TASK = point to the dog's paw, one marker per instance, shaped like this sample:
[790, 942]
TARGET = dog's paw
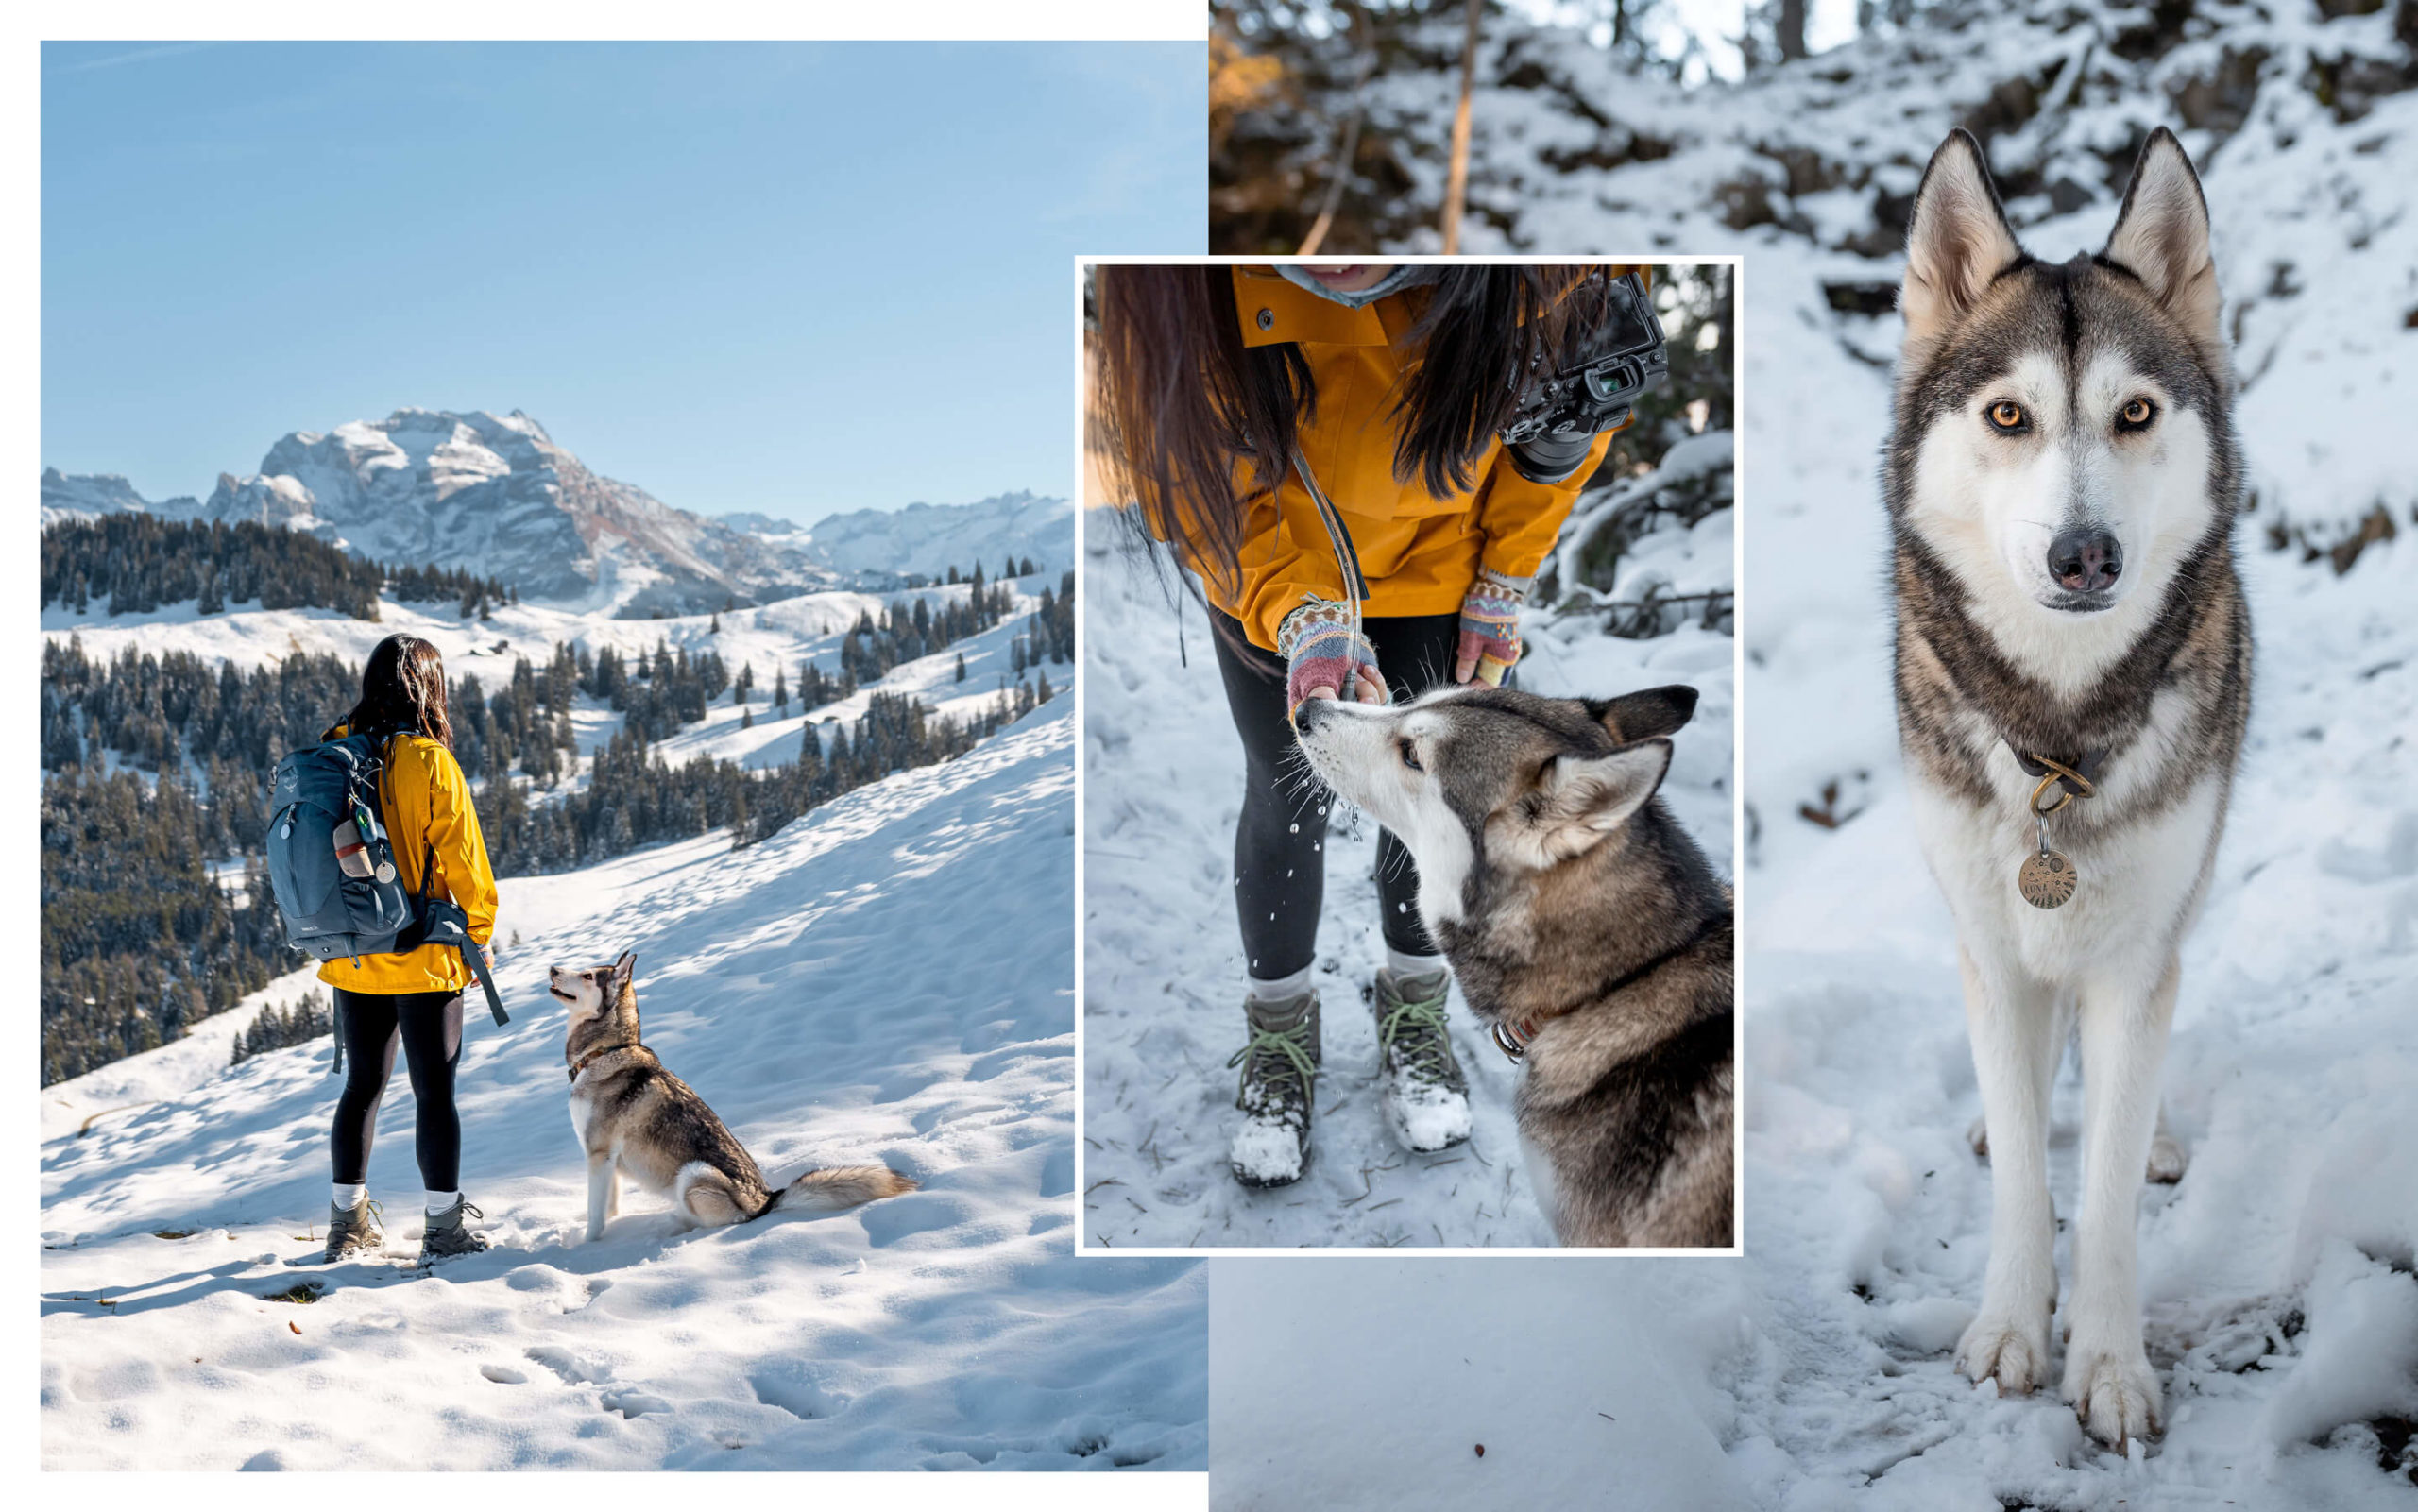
[1997, 1346]
[1978, 1135]
[2114, 1394]
[2167, 1160]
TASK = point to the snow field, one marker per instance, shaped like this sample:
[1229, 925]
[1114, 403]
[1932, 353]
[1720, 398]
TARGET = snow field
[884, 980]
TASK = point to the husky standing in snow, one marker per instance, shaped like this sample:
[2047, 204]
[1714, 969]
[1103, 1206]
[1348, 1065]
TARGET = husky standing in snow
[1584, 926]
[632, 1115]
[2072, 679]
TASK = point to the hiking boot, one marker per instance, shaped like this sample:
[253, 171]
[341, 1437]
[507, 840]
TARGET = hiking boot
[1425, 1095]
[448, 1236]
[354, 1233]
[1280, 1067]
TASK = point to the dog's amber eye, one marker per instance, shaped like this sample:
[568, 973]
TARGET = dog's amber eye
[2137, 415]
[1410, 755]
[2007, 416]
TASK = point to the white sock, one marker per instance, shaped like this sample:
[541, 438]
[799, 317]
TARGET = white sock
[349, 1197]
[1406, 967]
[1277, 989]
[439, 1201]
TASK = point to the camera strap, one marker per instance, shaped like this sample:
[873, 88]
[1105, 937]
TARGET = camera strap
[1355, 586]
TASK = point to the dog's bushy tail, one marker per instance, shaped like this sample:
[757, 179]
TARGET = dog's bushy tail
[840, 1186]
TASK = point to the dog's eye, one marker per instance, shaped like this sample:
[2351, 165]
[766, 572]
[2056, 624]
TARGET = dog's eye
[2137, 415]
[2007, 418]
[1410, 754]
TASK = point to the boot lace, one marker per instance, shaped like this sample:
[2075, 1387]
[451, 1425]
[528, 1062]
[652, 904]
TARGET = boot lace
[1412, 1034]
[1273, 1055]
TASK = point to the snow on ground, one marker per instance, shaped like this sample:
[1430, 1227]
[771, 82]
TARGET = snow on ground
[1164, 972]
[885, 979]
[170, 1071]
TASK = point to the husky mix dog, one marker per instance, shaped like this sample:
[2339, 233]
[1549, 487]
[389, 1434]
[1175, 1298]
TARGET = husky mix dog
[2072, 679]
[1584, 926]
[634, 1116]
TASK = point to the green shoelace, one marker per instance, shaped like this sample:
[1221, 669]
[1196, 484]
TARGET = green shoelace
[1422, 1021]
[1272, 1052]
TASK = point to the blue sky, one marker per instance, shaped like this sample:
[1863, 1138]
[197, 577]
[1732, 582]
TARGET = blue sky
[790, 278]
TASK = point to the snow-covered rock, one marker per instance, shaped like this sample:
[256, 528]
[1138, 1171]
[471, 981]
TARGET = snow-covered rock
[90, 495]
[930, 539]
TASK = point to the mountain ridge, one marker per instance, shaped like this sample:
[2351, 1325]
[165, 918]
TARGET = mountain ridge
[498, 496]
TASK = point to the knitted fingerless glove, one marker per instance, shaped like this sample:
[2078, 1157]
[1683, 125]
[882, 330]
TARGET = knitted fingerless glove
[1320, 650]
[1490, 624]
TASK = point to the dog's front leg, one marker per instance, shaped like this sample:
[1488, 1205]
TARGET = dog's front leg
[2123, 1044]
[2013, 1026]
[603, 1178]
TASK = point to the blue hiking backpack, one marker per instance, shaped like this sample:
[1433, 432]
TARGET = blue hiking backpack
[331, 863]
[332, 867]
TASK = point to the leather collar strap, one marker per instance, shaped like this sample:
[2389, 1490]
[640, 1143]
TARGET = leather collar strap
[2086, 766]
[581, 1064]
[1514, 1039]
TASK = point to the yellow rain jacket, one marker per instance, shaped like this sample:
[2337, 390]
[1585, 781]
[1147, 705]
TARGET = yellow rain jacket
[1419, 553]
[426, 802]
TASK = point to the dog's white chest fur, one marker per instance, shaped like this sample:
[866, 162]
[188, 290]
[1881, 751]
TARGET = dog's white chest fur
[2139, 882]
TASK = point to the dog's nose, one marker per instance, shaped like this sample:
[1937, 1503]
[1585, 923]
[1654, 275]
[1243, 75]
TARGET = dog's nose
[1310, 712]
[2085, 559]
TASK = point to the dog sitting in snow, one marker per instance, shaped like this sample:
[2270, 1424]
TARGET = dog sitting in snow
[1584, 926]
[633, 1117]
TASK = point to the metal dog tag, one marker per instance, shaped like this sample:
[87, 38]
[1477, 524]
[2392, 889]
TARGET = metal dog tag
[2048, 879]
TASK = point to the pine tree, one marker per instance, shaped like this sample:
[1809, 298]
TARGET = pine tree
[960, 667]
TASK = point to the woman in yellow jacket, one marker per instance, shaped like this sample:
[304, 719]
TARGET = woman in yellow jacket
[414, 998]
[1278, 427]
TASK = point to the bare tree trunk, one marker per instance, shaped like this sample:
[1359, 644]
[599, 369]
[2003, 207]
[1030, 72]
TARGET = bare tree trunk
[1791, 30]
[1340, 173]
[1336, 178]
[1458, 184]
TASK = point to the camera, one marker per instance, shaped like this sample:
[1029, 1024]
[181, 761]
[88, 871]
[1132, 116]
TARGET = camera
[1616, 353]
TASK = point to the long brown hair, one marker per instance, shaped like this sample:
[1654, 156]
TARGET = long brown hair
[1179, 399]
[402, 690]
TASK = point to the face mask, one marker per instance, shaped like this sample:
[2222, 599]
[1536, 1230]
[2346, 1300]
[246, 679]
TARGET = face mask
[1404, 276]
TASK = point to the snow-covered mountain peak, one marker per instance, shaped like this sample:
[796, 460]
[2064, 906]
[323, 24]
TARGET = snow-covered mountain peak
[498, 496]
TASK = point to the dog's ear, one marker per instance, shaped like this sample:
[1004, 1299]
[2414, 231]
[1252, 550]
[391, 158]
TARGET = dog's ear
[2161, 237]
[1585, 798]
[624, 970]
[1638, 716]
[1958, 242]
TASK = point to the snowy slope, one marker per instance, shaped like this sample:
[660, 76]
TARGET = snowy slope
[885, 979]
[1163, 972]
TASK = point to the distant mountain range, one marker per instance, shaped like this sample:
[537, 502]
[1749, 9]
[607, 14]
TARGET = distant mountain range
[496, 495]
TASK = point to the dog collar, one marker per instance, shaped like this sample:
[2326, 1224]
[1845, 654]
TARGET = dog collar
[2077, 778]
[581, 1064]
[1513, 1037]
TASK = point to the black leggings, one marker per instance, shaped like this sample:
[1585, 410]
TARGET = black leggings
[1280, 863]
[430, 1025]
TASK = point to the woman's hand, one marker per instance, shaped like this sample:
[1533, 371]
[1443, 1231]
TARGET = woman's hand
[1326, 656]
[1490, 642]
